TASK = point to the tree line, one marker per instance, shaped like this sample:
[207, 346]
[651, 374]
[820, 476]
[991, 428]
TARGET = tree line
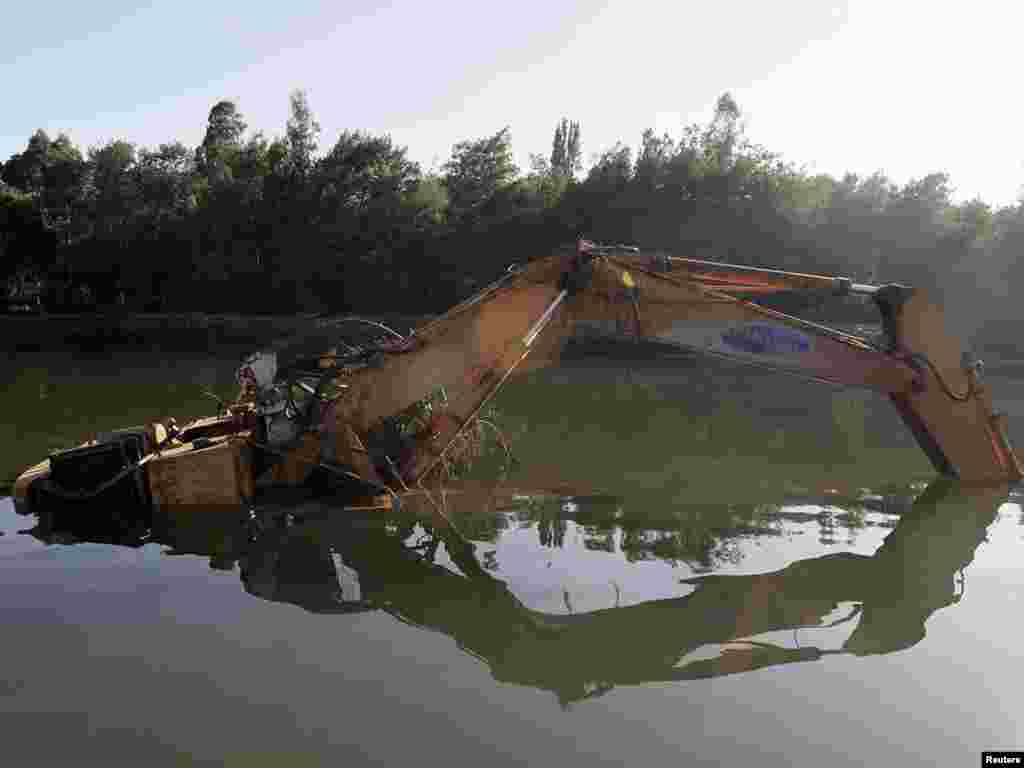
[247, 223]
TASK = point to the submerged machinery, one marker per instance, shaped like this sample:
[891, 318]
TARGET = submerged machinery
[381, 418]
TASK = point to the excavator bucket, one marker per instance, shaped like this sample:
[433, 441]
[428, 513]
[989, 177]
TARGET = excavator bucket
[950, 410]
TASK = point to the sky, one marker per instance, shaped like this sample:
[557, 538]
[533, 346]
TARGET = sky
[898, 86]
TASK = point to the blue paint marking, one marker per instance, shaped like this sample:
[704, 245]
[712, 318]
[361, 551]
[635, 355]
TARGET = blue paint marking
[763, 339]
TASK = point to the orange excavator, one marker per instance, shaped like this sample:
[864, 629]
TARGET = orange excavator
[347, 412]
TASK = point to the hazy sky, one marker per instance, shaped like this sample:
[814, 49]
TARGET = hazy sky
[900, 86]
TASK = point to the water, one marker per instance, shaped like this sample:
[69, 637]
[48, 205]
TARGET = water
[753, 570]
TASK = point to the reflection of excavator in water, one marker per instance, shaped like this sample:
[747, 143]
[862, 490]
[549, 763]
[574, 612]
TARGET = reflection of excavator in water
[344, 413]
[893, 593]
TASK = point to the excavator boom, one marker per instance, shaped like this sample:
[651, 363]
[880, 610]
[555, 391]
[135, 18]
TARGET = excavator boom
[522, 321]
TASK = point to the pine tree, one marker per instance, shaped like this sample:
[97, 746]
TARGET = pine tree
[565, 149]
[302, 134]
[224, 130]
[573, 151]
[558, 147]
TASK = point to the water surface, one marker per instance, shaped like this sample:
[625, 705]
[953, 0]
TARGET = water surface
[725, 569]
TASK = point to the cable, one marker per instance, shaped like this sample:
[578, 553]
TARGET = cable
[366, 321]
[960, 398]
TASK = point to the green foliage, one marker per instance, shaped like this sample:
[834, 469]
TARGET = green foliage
[64, 173]
[565, 150]
[428, 200]
[110, 190]
[543, 188]
[224, 130]
[12, 199]
[362, 171]
[250, 161]
[723, 134]
[476, 171]
[16, 209]
[26, 170]
[654, 159]
[613, 169]
[806, 196]
[302, 135]
[164, 180]
[51, 170]
[246, 222]
[20, 230]
[974, 219]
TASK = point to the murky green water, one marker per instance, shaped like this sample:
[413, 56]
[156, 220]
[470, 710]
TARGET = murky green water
[752, 572]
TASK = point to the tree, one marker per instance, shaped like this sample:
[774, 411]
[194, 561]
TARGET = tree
[26, 171]
[18, 227]
[302, 135]
[613, 168]
[48, 169]
[596, 205]
[428, 200]
[63, 174]
[573, 150]
[368, 193]
[224, 130]
[476, 171]
[277, 219]
[362, 169]
[807, 196]
[974, 219]
[1007, 267]
[565, 150]
[558, 151]
[724, 133]
[929, 196]
[543, 187]
[109, 187]
[652, 162]
[255, 159]
[52, 171]
[164, 182]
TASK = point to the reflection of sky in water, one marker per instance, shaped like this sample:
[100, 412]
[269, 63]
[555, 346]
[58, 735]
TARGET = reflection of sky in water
[576, 578]
[572, 578]
[830, 634]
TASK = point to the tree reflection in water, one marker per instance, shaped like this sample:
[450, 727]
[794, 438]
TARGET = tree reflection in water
[397, 569]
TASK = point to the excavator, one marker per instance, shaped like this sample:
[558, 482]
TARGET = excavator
[386, 418]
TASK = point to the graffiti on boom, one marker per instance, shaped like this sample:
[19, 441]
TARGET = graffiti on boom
[765, 339]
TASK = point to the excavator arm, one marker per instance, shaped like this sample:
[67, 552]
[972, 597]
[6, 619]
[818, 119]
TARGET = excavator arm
[936, 389]
[522, 321]
[918, 365]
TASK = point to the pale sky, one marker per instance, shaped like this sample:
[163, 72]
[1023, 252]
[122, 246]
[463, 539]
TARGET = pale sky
[901, 86]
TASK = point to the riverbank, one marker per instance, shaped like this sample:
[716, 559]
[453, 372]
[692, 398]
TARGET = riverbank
[32, 331]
